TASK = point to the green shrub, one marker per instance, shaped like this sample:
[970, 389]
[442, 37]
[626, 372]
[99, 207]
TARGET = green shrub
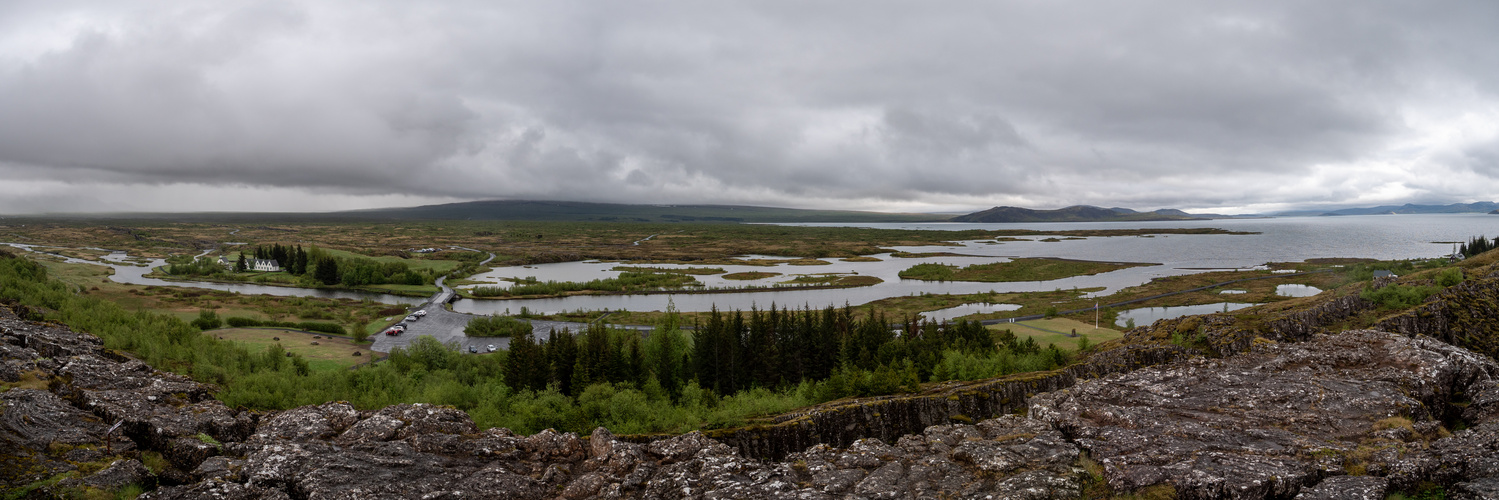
[496, 326]
[929, 272]
[1450, 276]
[207, 320]
[1398, 296]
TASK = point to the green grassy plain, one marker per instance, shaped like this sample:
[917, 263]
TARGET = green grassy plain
[331, 353]
[1056, 331]
[439, 266]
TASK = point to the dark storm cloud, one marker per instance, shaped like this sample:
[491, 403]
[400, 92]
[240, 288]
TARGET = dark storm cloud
[1146, 104]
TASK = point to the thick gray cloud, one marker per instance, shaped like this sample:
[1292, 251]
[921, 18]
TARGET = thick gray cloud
[875, 105]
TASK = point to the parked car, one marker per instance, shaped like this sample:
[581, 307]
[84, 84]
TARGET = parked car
[420, 313]
[400, 326]
[393, 331]
[490, 347]
[473, 349]
[412, 318]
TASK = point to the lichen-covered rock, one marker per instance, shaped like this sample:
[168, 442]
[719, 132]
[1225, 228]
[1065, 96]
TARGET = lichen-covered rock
[1471, 453]
[120, 474]
[216, 490]
[72, 391]
[307, 423]
[1256, 425]
[223, 468]
[1353, 415]
[1008, 457]
[1486, 488]
[1346, 488]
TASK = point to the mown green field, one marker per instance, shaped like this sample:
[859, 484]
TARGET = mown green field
[331, 353]
[440, 266]
[1057, 331]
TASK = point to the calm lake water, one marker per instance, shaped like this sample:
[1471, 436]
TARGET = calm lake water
[1147, 315]
[1290, 239]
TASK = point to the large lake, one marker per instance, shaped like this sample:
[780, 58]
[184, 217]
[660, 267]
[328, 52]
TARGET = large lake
[1290, 239]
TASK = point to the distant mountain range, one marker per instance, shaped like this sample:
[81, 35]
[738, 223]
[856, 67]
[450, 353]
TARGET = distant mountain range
[1408, 208]
[614, 212]
[560, 211]
[1077, 213]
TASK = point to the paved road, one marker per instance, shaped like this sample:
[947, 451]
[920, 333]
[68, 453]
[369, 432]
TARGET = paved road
[447, 326]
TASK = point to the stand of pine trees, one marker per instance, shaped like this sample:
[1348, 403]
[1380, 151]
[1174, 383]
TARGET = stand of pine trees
[292, 259]
[774, 349]
[1477, 245]
[326, 269]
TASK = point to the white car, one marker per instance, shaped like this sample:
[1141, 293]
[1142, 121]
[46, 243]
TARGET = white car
[412, 318]
[490, 347]
[420, 313]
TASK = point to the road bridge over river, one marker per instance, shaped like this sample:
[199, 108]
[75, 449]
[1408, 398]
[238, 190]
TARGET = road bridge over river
[447, 326]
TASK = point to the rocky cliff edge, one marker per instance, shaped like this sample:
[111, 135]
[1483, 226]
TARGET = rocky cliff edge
[1351, 415]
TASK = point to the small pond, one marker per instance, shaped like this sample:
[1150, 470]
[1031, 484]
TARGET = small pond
[1147, 315]
[951, 313]
[1296, 290]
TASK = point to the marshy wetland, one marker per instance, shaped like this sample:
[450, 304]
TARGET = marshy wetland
[577, 268]
[734, 341]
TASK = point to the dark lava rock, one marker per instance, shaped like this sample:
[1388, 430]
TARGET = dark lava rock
[1353, 415]
[1280, 418]
[119, 474]
[87, 390]
[1480, 489]
[1346, 488]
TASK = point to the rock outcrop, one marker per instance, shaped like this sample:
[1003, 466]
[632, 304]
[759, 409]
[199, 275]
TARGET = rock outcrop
[1351, 415]
[1466, 314]
[1284, 417]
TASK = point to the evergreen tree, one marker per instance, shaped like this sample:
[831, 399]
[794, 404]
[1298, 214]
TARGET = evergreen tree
[327, 271]
[523, 368]
[240, 265]
[705, 350]
[562, 355]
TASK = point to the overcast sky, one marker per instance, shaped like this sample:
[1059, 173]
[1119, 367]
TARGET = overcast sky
[263, 105]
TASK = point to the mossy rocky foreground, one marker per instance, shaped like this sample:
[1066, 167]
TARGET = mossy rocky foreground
[1224, 407]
